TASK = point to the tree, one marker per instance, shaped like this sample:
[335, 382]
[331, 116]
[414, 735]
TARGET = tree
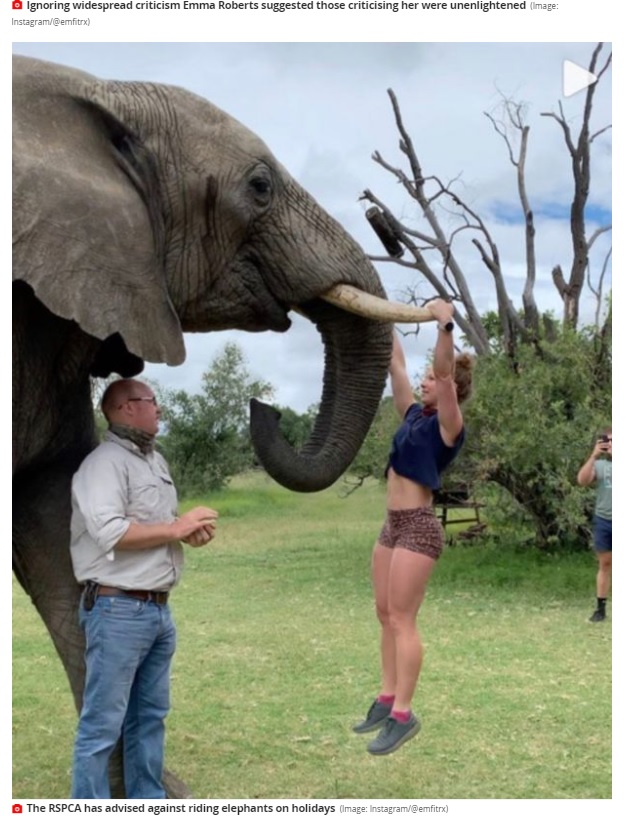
[206, 439]
[98, 387]
[542, 386]
[297, 428]
[529, 431]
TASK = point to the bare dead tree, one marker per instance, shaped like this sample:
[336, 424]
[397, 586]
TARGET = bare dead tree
[419, 248]
[451, 283]
[597, 290]
[579, 150]
[513, 118]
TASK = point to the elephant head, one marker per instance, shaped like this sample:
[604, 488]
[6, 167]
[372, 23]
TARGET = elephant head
[141, 211]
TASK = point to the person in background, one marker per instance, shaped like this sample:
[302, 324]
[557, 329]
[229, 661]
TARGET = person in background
[412, 538]
[597, 470]
[126, 552]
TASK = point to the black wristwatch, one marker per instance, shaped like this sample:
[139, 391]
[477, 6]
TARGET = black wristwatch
[446, 328]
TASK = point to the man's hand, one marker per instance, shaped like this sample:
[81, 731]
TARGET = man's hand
[200, 520]
[196, 527]
[201, 537]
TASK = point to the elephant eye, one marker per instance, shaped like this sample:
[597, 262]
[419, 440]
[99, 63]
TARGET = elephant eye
[262, 188]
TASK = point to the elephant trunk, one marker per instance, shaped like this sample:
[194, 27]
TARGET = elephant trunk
[357, 356]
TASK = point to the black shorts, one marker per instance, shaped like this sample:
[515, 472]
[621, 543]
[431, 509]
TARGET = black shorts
[417, 530]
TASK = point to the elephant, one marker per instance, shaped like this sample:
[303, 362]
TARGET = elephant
[141, 211]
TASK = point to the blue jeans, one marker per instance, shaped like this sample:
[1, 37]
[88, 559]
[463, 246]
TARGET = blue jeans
[129, 649]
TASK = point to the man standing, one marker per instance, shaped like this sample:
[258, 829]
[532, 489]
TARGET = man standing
[598, 470]
[126, 551]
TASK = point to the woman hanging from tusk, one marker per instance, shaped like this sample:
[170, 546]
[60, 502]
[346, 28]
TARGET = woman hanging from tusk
[412, 538]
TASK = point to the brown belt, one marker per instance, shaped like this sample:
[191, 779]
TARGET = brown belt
[159, 597]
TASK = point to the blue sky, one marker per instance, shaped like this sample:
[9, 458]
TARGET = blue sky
[596, 215]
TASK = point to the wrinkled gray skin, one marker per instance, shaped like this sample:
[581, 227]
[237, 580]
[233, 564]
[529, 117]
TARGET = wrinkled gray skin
[141, 211]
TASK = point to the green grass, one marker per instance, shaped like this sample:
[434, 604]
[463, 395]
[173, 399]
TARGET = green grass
[277, 658]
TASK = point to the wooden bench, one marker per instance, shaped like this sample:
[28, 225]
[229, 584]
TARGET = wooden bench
[458, 498]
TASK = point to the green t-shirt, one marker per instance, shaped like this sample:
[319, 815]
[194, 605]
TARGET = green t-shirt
[603, 473]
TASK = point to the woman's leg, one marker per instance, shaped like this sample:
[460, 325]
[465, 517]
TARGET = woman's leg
[381, 559]
[409, 573]
[407, 581]
[380, 709]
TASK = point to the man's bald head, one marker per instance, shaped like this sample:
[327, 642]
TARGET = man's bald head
[130, 402]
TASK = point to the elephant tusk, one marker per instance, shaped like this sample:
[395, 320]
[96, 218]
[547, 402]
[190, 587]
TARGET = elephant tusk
[370, 306]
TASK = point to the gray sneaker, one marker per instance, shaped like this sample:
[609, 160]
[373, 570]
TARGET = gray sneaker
[394, 734]
[378, 713]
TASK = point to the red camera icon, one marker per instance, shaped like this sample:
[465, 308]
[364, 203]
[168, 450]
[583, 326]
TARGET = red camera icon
[17, 4]
[17, 808]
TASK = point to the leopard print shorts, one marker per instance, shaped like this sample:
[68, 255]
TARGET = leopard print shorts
[417, 530]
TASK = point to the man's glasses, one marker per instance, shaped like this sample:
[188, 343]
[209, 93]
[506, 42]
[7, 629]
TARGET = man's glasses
[152, 399]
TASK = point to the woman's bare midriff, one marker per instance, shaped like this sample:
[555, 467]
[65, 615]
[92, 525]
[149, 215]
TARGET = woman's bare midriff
[405, 494]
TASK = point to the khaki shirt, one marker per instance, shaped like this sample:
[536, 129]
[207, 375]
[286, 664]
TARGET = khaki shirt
[115, 485]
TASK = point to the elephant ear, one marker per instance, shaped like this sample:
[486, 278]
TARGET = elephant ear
[87, 233]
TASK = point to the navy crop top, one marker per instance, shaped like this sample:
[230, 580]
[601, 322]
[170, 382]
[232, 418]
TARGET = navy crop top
[418, 451]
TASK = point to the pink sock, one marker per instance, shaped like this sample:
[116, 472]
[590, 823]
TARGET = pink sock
[402, 717]
[386, 699]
